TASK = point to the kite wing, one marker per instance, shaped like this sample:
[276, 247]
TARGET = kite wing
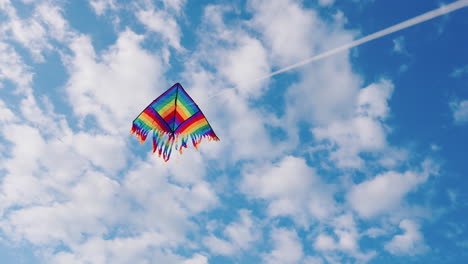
[172, 118]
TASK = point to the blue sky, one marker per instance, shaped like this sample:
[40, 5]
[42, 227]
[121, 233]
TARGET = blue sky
[356, 158]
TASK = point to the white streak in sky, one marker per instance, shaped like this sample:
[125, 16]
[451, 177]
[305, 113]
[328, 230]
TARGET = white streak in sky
[384, 32]
[405, 24]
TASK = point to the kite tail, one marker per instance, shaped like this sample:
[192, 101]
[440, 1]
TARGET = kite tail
[163, 143]
[197, 137]
[140, 131]
[183, 143]
[168, 147]
[182, 139]
[157, 141]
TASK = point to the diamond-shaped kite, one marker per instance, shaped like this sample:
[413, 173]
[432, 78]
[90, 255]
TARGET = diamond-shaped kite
[173, 118]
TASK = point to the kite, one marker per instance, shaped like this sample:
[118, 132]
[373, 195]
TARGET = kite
[173, 118]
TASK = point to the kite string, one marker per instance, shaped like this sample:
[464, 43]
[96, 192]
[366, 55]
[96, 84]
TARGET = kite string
[384, 32]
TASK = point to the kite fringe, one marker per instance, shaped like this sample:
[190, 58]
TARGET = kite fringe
[163, 142]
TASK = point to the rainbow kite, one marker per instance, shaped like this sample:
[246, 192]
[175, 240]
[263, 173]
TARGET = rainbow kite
[173, 117]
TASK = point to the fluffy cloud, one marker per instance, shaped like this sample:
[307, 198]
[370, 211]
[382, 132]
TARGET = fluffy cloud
[113, 87]
[244, 64]
[345, 239]
[49, 188]
[165, 206]
[292, 189]
[239, 236]
[36, 32]
[53, 192]
[101, 150]
[100, 6]
[287, 247]
[365, 132]
[84, 211]
[345, 231]
[163, 23]
[385, 192]
[411, 242]
[12, 68]
[239, 57]
[141, 249]
[285, 28]
[177, 5]
[6, 114]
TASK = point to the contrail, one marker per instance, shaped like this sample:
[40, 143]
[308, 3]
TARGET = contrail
[405, 24]
[384, 32]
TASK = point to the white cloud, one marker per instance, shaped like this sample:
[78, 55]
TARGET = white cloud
[19, 186]
[31, 34]
[292, 189]
[244, 232]
[238, 57]
[163, 23]
[239, 236]
[287, 247]
[51, 172]
[293, 33]
[103, 151]
[411, 242]
[197, 259]
[36, 32]
[358, 135]
[321, 97]
[374, 232]
[165, 206]
[345, 239]
[42, 166]
[460, 111]
[385, 192]
[176, 5]
[325, 242]
[114, 87]
[345, 229]
[45, 120]
[101, 6]
[219, 246]
[144, 248]
[373, 100]
[51, 194]
[87, 205]
[243, 65]
[12, 68]
[50, 15]
[365, 132]
[286, 28]
[6, 115]
[49, 187]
